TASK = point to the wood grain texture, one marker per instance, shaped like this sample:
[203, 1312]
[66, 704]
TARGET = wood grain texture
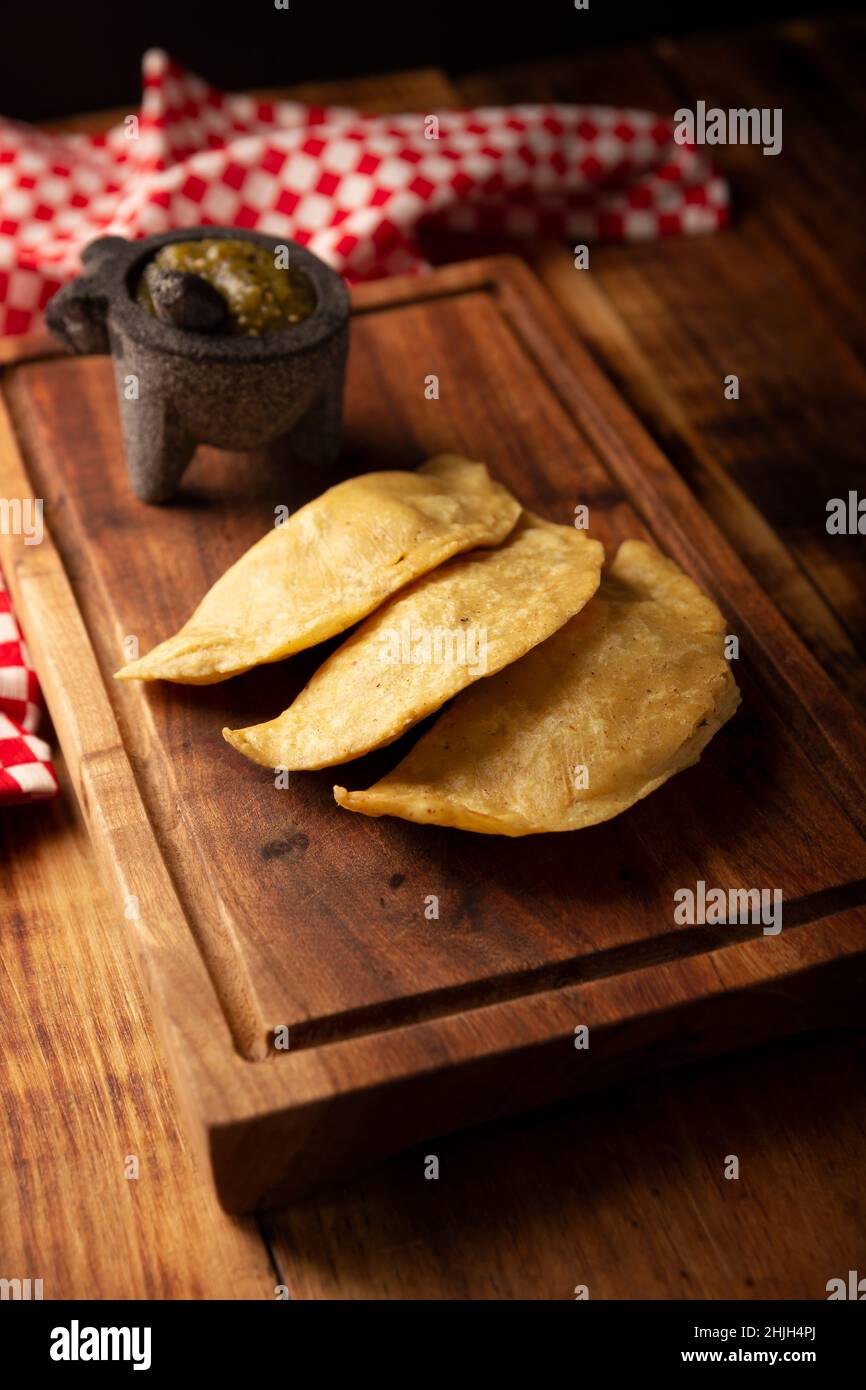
[84, 1086]
[776, 300]
[326, 933]
[622, 1191]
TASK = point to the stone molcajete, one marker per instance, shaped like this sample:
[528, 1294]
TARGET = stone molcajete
[281, 391]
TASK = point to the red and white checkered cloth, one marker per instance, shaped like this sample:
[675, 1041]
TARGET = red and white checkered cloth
[353, 188]
[26, 773]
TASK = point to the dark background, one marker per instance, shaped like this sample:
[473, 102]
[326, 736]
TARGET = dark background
[63, 58]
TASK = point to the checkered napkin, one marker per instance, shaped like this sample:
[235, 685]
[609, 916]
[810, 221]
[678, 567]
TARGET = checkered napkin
[26, 773]
[353, 188]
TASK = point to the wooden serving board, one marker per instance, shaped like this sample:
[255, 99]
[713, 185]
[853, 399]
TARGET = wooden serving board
[257, 909]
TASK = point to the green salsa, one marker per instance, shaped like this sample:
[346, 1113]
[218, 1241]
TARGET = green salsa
[261, 296]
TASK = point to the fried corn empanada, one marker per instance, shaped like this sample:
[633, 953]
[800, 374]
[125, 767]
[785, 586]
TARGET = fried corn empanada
[330, 565]
[626, 694]
[466, 620]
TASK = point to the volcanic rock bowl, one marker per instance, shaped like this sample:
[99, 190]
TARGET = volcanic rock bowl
[281, 391]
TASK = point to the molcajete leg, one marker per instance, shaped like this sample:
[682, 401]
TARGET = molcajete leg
[157, 448]
[314, 442]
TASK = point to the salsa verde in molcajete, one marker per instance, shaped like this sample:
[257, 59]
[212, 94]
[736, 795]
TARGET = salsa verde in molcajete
[260, 296]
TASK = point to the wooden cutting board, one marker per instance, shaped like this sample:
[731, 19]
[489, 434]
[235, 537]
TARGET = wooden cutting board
[259, 910]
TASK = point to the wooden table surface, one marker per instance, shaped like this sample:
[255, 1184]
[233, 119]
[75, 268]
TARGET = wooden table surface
[623, 1191]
